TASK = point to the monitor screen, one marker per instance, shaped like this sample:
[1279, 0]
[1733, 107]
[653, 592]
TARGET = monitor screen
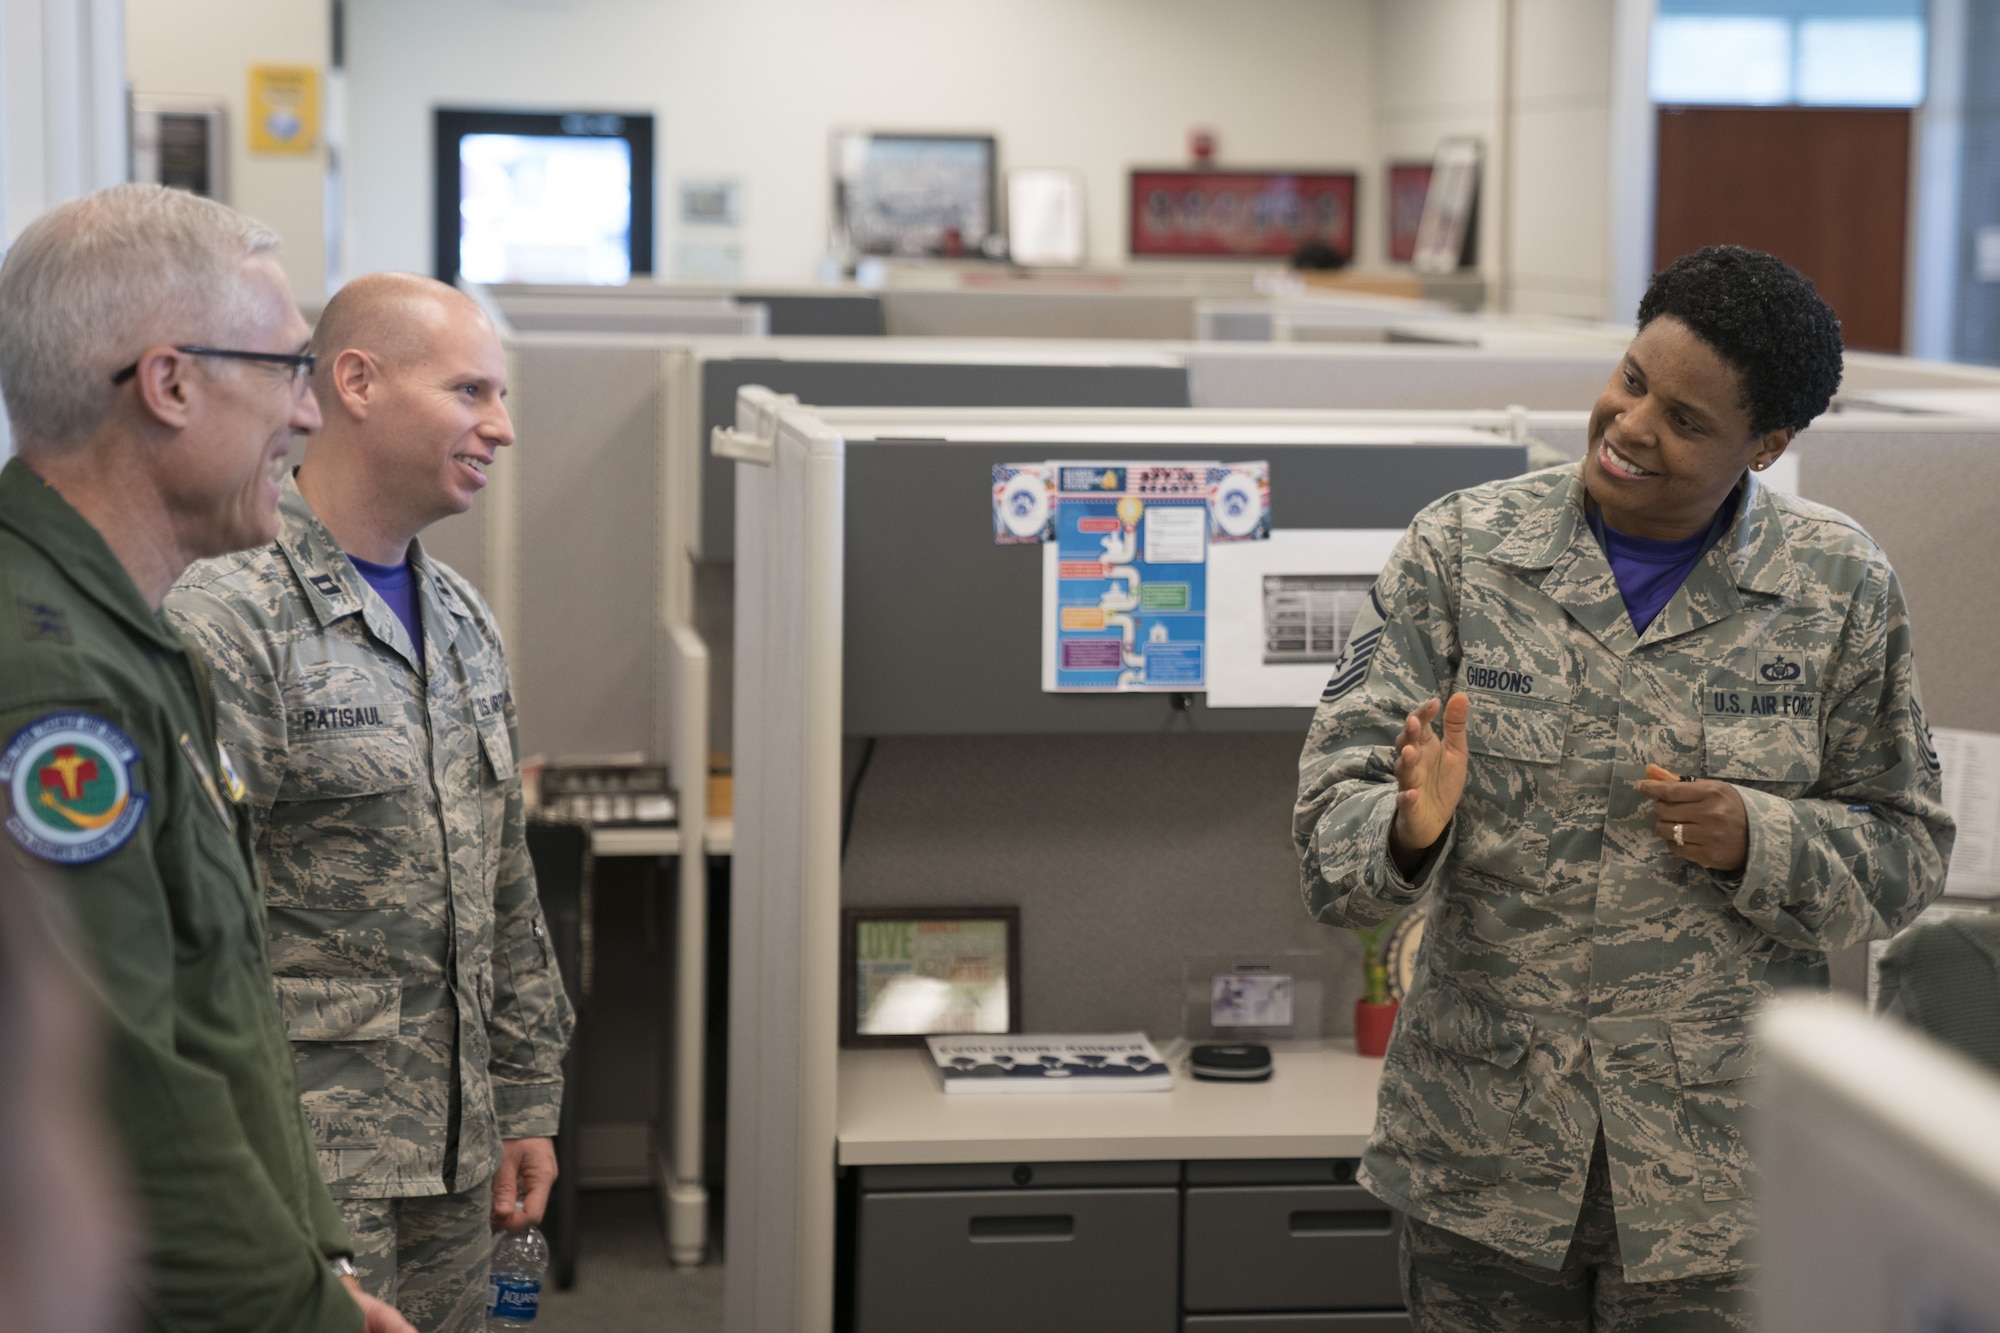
[544, 198]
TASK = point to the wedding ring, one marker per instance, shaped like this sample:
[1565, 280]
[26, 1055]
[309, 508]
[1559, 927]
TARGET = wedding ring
[1678, 840]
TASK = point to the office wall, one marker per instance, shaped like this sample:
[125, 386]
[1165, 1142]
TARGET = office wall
[752, 88]
[62, 110]
[206, 47]
[1532, 80]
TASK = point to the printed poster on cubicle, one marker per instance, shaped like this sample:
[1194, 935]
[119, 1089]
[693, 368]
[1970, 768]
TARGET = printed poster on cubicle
[1125, 567]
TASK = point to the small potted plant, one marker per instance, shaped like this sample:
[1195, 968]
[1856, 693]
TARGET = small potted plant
[1374, 1012]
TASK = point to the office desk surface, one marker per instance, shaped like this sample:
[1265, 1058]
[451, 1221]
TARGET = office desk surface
[1319, 1102]
[720, 840]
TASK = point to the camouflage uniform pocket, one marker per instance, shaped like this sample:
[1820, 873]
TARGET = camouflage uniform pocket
[345, 1138]
[1508, 811]
[340, 836]
[1767, 751]
[1455, 1080]
[1713, 1060]
[340, 1009]
[499, 750]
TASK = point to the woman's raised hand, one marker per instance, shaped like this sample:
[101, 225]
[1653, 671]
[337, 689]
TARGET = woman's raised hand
[1430, 777]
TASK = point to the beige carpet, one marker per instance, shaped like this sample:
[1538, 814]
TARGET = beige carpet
[623, 1280]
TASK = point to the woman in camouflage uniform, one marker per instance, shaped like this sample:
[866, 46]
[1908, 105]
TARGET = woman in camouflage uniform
[1682, 757]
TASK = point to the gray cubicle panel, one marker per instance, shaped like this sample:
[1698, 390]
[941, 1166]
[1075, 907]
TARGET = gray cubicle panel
[1865, 374]
[1122, 826]
[919, 374]
[1923, 488]
[1361, 375]
[1042, 314]
[793, 311]
[663, 316]
[984, 599]
[573, 515]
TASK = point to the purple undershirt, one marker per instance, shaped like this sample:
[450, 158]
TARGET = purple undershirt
[1650, 572]
[394, 584]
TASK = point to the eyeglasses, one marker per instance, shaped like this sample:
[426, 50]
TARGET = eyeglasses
[301, 363]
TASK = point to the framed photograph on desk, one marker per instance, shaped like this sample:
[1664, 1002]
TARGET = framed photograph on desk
[911, 972]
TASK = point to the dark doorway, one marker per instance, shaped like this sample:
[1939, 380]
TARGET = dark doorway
[1825, 189]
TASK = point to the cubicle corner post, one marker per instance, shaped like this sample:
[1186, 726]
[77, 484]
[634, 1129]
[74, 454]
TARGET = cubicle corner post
[680, 473]
[501, 529]
[679, 1166]
[783, 1026]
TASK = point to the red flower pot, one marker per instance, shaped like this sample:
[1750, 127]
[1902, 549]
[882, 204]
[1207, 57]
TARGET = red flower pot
[1372, 1025]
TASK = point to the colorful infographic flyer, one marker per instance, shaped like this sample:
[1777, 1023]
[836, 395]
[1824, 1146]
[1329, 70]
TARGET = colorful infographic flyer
[1126, 578]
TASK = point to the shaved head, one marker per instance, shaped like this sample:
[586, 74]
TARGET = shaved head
[412, 381]
[394, 317]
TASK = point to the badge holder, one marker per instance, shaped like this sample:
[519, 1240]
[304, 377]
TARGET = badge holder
[1237, 1007]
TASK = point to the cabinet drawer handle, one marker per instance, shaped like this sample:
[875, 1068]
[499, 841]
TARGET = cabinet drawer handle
[1344, 1222]
[1054, 1226]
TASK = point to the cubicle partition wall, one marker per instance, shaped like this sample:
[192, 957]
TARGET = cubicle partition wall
[577, 546]
[875, 610]
[1923, 487]
[587, 544]
[927, 372]
[1165, 316]
[1415, 376]
[815, 312]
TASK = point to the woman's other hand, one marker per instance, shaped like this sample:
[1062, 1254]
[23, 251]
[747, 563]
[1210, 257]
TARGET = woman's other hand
[1702, 820]
[1430, 777]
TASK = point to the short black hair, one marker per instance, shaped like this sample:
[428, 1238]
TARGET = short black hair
[1763, 317]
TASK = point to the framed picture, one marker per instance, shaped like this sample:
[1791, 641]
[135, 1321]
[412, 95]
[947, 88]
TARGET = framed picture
[1409, 182]
[911, 972]
[1045, 217]
[1239, 214]
[916, 195]
[1448, 235]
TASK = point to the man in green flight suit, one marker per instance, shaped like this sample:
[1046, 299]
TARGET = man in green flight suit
[152, 362]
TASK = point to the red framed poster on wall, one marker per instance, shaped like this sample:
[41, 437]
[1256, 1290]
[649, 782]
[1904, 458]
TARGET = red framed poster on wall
[1409, 182]
[1177, 213]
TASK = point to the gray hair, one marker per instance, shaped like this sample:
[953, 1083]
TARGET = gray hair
[93, 282]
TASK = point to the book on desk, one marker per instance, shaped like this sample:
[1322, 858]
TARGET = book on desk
[1092, 1062]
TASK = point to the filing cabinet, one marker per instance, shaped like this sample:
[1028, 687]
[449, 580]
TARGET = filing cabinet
[1271, 1236]
[1196, 1247]
[1059, 1248]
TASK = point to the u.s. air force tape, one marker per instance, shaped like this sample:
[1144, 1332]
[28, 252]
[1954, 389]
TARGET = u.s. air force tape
[68, 777]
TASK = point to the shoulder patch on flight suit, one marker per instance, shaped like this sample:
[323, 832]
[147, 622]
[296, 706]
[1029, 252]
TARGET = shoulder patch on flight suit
[68, 777]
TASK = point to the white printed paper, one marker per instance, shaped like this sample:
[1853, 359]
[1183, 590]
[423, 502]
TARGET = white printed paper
[1176, 536]
[1279, 611]
[1971, 762]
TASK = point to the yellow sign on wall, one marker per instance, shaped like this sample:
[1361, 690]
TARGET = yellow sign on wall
[284, 109]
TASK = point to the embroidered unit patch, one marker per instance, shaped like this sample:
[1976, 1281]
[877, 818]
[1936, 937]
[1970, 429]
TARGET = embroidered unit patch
[69, 780]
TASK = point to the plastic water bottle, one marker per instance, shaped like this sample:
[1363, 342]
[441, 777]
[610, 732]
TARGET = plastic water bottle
[514, 1291]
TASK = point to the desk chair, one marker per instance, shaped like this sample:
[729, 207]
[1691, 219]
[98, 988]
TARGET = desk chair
[560, 849]
[1946, 980]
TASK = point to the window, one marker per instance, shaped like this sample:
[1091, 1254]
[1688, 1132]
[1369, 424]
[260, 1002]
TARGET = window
[1803, 52]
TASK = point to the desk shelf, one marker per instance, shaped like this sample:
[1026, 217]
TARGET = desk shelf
[720, 840]
[1320, 1102]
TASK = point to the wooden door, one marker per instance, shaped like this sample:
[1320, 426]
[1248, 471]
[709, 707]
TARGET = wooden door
[1825, 189]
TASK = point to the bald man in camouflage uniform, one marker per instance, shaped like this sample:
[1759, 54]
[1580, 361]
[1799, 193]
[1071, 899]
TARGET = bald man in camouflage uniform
[377, 749]
[1628, 835]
